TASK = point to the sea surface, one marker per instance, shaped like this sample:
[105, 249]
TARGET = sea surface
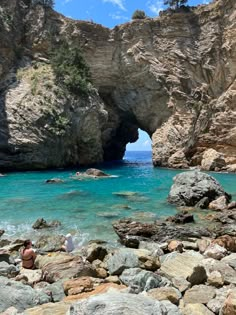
[88, 207]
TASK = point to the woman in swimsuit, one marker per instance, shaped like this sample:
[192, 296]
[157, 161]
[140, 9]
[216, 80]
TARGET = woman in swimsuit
[28, 255]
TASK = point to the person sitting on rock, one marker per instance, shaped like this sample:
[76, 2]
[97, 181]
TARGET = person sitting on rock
[28, 255]
[68, 245]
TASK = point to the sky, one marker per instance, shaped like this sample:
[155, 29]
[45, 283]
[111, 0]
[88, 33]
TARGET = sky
[111, 13]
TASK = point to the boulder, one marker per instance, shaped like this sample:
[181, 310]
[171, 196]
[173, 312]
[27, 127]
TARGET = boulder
[227, 272]
[78, 285]
[217, 302]
[95, 251]
[58, 266]
[190, 187]
[196, 309]
[120, 303]
[226, 241]
[181, 218]
[131, 233]
[229, 307]
[212, 160]
[218, 204]
[185, 265]
[96, 172]
[199, 294]
[154, 248]
[121, 260]
[230, 260]
[215, 279]
[215, 251]
[41, 223]
[165, 293]
[181, 284]
[54, 290]
[7, 270]
[2, 232]
[20, 295]
[141, 280]
[33, 276]
[50, 243]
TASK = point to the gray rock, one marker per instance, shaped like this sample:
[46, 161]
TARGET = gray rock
[19, 295]
[96, 172]
[121, 260]
[196, 309]
[199, 294]
[227, 272]
[171, 308]
[49, 243]
[154, 248]
[122, 303]
[55, 290]
[41, 223]
[216, 304]
[181, 265]
[190, 187]
[7, 270]
[230, 260]
[141, 280]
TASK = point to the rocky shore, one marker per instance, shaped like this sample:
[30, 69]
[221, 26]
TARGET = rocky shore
[169, 267]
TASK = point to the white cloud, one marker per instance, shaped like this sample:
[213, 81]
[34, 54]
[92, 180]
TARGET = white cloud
[117, 16]
[66, 1]
[155, 6]
[146, 143]
[119, 3]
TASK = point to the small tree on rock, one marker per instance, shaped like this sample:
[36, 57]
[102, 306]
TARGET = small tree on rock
[175, 3]
[138, 14]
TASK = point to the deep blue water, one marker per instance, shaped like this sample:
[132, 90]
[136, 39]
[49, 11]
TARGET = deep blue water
[87, 208]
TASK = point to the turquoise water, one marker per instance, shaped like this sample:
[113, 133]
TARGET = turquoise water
[87, 208]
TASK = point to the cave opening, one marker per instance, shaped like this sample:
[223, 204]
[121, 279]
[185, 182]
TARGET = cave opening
[140, 149]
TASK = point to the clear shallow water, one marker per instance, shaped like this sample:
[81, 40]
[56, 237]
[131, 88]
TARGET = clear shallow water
[87, 208]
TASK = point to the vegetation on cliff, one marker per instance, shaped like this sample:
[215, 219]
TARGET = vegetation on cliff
[138, 14]
[175, 3]
[70, 69]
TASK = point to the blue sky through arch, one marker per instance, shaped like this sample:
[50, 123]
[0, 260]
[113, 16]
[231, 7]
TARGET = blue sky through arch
[144, 143]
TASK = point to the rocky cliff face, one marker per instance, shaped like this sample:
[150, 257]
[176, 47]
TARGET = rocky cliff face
[174, 77]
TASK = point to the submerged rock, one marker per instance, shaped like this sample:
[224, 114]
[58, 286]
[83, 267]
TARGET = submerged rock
[2, 232]
[54, 181]
[191, 187]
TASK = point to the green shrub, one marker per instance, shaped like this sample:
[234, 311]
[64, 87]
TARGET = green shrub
[45, 3]
[70, 69]
[175, 3]
[138, 14]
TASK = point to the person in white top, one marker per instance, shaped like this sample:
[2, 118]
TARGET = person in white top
[68, 245]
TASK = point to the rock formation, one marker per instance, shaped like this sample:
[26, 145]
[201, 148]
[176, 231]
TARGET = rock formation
[171, 76]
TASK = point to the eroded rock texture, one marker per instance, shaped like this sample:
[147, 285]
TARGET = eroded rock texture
[173, 77]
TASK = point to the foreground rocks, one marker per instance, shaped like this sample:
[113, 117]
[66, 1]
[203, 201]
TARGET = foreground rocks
[121, 303]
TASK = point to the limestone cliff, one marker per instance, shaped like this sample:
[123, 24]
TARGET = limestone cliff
[173, 76]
